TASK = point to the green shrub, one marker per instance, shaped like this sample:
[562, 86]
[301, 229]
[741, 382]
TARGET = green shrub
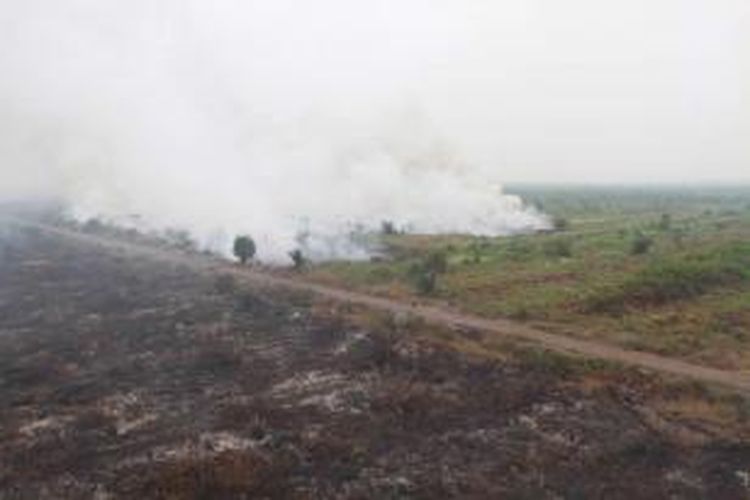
[424, 281]
[558, 248]
[475, 250]
[424, 274]
[560, 223]
[437, 262]
[641, 244]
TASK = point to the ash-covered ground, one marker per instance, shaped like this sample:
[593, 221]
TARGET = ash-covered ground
[125, 378]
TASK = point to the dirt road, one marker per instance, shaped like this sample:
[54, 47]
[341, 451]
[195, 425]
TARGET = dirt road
[506, 328]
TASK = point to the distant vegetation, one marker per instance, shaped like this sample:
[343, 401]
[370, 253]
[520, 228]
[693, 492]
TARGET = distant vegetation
[676, 278]
[660, 269]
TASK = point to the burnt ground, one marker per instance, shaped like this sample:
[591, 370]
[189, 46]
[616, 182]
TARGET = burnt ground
[125, 378]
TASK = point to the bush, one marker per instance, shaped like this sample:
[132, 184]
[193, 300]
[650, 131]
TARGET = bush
[424, 274]
[641, 244]
[560, 223]
[425, 282]
[423, 278]
[244, 248]
[437, 262]
[478, 248]
[475, 250]
[298, 259]
[388, 228]
[558, 248]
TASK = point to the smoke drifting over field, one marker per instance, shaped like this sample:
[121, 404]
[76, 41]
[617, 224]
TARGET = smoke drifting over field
[281, 117]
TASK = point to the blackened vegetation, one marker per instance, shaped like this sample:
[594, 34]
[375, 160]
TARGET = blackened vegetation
[126, 378]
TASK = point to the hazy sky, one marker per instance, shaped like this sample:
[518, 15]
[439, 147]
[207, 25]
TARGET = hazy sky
[580, 90]
[150, 105]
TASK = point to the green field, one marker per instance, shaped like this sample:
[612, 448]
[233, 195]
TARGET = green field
[658, 269]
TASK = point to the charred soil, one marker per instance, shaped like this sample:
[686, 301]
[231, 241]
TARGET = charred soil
[125, 378]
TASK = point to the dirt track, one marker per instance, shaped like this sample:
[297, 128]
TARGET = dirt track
[557, 343]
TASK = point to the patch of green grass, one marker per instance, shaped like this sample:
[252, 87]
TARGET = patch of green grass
[560, 365]
[674, 278]
[559, 248]
[688, 294]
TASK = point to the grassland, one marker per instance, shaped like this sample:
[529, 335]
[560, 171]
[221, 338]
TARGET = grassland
[657, 269]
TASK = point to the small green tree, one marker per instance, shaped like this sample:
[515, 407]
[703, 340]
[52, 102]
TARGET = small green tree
[641, 244]
[424, 273]
[244, 248]
[298, 259]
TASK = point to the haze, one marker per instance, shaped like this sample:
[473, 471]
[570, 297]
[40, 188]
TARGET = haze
[236, 115]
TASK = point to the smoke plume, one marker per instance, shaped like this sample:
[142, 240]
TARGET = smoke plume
[285, 118]
[280, 121]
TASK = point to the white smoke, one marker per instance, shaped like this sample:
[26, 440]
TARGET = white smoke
[268, 118]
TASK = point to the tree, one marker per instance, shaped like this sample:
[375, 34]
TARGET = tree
[388, 228]
[244, 248]
[298, 259]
